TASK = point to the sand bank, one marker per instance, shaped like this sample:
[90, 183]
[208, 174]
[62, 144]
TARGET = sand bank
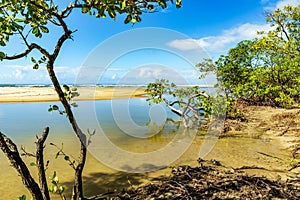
[44, 94]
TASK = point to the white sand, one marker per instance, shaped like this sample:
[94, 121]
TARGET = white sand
[42, 94]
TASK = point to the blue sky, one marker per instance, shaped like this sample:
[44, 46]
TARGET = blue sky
[205, 28]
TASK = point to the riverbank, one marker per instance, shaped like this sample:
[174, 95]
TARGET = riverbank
[268, 123]
[47, 94]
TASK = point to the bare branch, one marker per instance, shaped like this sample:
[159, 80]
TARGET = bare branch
[40, 164]
[25, 153]
[11, 151]
[282, 27]
[27, 51]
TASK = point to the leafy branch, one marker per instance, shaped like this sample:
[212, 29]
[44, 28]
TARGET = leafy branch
[186, 102]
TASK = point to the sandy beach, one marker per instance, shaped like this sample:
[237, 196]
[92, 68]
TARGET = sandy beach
[44, 94]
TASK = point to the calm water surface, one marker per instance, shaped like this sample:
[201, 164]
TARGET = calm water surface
[23, 121]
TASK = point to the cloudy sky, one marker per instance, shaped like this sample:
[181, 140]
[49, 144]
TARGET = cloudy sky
[178, 39]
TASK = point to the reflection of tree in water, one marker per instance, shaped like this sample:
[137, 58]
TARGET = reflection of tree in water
[170, 129]
[189, 103]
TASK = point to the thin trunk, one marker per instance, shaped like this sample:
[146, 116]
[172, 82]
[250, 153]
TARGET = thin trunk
[40, 164]
[78, 188]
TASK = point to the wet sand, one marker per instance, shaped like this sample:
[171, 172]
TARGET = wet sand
[45, 94]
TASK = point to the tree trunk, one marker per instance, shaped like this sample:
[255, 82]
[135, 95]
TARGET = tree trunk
[78, 187]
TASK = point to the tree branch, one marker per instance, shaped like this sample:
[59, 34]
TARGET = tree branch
[191, 98]
[27, 51]
[40, 164]
[174, 110]
[282, 27]
[11, 151]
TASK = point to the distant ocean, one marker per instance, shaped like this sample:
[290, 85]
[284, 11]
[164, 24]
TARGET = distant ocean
[92, 85]
[25, 85]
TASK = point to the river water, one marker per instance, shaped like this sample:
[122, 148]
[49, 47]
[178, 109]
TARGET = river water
[124, 127]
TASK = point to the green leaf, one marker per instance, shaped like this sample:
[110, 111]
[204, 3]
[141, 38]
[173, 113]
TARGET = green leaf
[133, 20]
[54, 175]
[163, 4]
[33, 60]
[67, 158]
[51, 188]
[85, 9]
[150, 7]
[2, 55]
[61, 189]
[35, 31]
[111, 13]
[57, 154]
[123, 5]
[67, 88]
[138, 18]
[44, 29]
[23, 197]
[32, 164]
[55, 107]
[178, 4]
[35, 66]
[55, 188]
[128, 19]
[20, 20]
[56, 179]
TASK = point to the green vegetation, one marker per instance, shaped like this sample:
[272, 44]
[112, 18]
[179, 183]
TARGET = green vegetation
[28, 21]
[265, 70]
[262, 71]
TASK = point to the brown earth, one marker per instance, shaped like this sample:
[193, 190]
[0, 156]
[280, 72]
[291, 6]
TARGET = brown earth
[276, 123]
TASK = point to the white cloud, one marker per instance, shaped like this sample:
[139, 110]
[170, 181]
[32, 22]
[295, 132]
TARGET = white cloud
[264, 1]
[26, 75]
[148, 72]
[279, 4]
[187, 44]
[282, 3]
[18, 74]
[222, 42]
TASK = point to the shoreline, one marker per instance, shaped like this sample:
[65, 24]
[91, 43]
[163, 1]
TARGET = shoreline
[48, 94]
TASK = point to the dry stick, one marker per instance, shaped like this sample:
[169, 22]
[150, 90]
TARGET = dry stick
[265, 154]
[11, 151]
[40, 164]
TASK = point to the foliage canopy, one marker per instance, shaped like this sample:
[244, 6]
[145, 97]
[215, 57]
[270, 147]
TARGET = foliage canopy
[28, 21]
[265, 70]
